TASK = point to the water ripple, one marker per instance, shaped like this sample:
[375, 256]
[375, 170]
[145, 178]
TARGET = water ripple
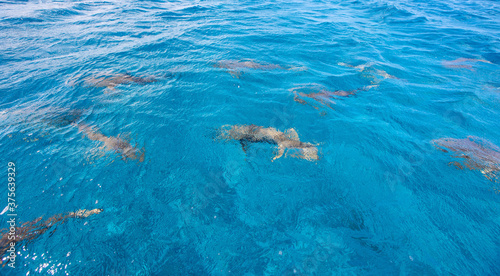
[380, 200]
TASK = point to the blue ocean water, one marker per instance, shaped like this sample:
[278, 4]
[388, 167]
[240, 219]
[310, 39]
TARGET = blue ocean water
[381, 200]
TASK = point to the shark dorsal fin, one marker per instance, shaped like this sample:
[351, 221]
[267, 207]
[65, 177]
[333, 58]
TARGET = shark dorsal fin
[292, 134]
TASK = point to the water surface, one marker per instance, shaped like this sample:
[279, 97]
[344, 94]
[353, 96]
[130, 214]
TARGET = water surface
[380, 201]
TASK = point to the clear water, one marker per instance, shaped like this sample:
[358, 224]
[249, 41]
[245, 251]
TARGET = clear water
[380, 201]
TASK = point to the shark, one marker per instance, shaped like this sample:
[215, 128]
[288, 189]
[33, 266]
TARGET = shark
[369, 68]
[462, 63]
[110, 82]
[62, 117]
[476, 153]
[324, 96]
[235, 67]
[33, 229]
[288, 140]
[111, 143]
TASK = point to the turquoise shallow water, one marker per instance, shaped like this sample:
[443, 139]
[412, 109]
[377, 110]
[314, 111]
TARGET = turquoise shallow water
[381, 200]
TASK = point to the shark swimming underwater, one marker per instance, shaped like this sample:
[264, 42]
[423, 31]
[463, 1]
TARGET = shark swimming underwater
[111, 143]
[477, 154]
[110, 82]
[288, 140]
[462, 63]
[33, 229]
[236, 67]
[322, 95]
[369, 68]
[48, 119]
